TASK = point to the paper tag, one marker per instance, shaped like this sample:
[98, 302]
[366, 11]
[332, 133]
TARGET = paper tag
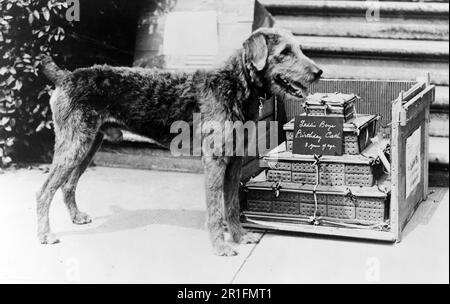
[413, 161]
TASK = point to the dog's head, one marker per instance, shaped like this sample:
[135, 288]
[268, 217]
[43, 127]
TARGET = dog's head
[276, 63]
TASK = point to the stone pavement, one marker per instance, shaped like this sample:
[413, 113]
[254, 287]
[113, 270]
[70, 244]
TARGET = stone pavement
[149, 228]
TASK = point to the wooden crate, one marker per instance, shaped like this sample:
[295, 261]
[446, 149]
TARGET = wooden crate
[408, 130]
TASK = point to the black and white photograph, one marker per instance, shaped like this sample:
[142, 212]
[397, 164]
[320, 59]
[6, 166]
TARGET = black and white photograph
[237, 143]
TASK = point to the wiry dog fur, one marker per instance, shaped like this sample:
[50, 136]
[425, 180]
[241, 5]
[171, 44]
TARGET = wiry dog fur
[89, 102]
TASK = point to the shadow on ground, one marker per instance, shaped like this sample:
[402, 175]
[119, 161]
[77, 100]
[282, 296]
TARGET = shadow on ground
[122, 219]
[426, 210]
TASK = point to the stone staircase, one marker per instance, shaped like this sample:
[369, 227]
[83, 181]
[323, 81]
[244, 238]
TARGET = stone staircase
[402, 40]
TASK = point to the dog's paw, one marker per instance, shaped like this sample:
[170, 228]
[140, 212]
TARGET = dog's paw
[81, 218]
[224, 249]
[250, 238]
[48, 239]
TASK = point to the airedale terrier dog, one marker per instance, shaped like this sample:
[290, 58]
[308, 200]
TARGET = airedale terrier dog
[91, 102]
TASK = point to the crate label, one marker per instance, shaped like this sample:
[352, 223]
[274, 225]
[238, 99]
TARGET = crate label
[413, 161]
[319, 135]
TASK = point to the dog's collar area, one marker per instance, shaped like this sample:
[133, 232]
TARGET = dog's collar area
[260, 95]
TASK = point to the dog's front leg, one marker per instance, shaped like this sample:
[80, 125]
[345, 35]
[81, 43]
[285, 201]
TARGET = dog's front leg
[215, 168]
[232, 206]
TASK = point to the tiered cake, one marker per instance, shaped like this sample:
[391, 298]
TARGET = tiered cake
[348, 189]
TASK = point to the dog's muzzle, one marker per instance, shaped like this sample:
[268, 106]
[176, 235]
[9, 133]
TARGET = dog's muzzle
[294, 88]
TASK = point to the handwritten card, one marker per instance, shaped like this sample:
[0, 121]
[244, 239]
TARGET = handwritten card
[321, 135]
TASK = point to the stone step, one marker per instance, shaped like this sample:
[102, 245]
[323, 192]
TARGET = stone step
[403, 9]
[399, 20]
[359, 26]
[362, 58]
[439, 123]
[145, 157]
[371, 48]
[379, 69]
[436, 1]
[442, 99]
[439, 151]
[375, 69]
[433, 1]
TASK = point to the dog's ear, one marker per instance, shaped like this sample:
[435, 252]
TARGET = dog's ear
[257, 51]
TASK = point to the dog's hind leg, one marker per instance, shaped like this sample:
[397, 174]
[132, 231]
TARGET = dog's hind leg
[71, 149]
[69, 187]
[215, 175]
[232, 206]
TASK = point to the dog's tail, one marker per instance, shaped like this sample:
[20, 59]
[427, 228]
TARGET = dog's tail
[52, 71]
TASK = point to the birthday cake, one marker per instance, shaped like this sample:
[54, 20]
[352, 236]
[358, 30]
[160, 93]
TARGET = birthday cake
[328, 172]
